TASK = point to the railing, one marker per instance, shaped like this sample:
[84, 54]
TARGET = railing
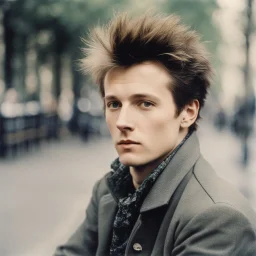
[21, 133]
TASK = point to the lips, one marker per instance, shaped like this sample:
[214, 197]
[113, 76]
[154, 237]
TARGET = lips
[127, 142]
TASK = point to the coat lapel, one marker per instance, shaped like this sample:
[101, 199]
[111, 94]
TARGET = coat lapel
[107, 211]
[166, 184]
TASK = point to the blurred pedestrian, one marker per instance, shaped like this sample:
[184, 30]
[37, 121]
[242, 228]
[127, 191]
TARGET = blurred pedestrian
[243, 126]
[161, 196]
[220, 120]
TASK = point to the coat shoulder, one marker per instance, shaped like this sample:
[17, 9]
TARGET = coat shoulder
[206, 190]
[101, 187]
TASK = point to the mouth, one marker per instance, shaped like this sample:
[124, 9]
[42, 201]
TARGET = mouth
[127, 142]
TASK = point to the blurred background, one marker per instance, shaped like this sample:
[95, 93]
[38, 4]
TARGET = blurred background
[54, 143]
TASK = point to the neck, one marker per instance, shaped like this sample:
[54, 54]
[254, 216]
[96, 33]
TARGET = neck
[141, 172]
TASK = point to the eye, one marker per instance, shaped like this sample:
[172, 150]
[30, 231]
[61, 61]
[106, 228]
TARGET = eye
[146, 104]
[113, 105]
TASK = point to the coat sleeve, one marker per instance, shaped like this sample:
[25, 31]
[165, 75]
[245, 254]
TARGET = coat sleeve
[85, 239]
[220, 230]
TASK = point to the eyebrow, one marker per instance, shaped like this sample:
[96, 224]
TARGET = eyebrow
[134, 96]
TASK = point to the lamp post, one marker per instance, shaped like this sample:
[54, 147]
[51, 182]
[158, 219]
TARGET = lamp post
[248, 106]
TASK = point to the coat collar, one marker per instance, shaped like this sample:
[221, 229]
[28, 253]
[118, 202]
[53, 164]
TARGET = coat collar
[164, 187]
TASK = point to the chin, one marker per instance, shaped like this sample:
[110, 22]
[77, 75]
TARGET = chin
[131, 160]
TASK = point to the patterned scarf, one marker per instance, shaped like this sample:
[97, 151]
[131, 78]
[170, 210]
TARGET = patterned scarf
[130, 200]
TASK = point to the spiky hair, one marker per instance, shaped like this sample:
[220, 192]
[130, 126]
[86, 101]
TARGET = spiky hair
[126, 41]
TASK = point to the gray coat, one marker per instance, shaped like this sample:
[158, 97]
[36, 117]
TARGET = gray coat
[211, 217]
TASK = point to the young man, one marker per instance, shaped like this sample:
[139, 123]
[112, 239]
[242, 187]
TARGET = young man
[161, 197]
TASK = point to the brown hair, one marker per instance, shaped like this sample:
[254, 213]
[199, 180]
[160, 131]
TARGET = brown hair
[126, 41]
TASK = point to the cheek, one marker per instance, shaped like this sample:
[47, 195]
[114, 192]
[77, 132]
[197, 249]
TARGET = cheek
[162, 130]
[110, 121]
[162, 122]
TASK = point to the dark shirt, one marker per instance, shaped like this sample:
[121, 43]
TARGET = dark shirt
[130, 200]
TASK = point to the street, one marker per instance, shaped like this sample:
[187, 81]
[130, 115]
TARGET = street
[44, 193]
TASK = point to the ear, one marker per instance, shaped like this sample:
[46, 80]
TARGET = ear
[189, 114]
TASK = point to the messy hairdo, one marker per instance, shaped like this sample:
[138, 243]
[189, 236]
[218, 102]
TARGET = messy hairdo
[126, 41]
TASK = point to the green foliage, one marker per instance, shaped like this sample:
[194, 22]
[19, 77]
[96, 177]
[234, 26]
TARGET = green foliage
[198, 15]
[68, 19]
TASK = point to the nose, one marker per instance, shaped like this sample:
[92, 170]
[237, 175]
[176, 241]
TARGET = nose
[124, 122]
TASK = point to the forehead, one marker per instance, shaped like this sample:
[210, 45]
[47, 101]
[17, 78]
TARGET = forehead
[139, 78]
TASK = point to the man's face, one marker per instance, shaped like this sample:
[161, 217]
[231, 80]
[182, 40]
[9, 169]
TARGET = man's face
[141, 114]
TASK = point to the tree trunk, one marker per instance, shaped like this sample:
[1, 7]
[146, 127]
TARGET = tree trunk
[9, 49]
[57, 68]
[77, 77]
[37, 72]
[23, 65]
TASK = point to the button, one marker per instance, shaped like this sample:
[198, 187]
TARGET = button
[137, 247]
